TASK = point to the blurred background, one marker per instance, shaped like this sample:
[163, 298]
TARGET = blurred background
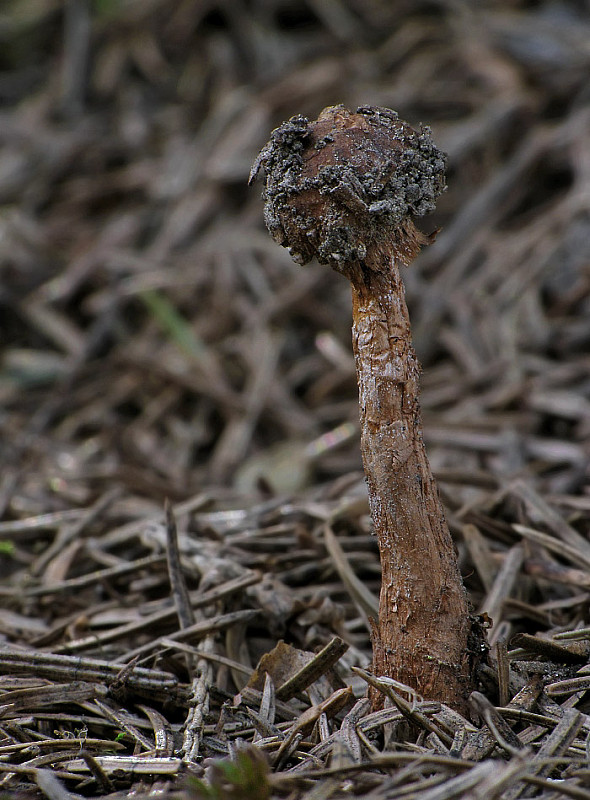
[153, 337]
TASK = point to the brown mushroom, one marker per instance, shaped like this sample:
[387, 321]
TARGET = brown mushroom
[344, 189]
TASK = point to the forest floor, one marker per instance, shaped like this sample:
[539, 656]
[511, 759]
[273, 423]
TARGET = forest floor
[186, 559]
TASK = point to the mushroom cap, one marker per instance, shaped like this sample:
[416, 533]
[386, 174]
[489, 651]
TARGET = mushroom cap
[350, 180]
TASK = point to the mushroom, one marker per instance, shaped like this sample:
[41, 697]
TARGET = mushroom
[343, 189]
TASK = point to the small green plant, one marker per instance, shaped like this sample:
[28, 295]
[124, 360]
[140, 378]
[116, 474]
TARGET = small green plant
[6, 548]
[245, 777]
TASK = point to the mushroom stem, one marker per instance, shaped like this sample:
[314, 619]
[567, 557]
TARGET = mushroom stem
[343, 189]
[422, 636]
